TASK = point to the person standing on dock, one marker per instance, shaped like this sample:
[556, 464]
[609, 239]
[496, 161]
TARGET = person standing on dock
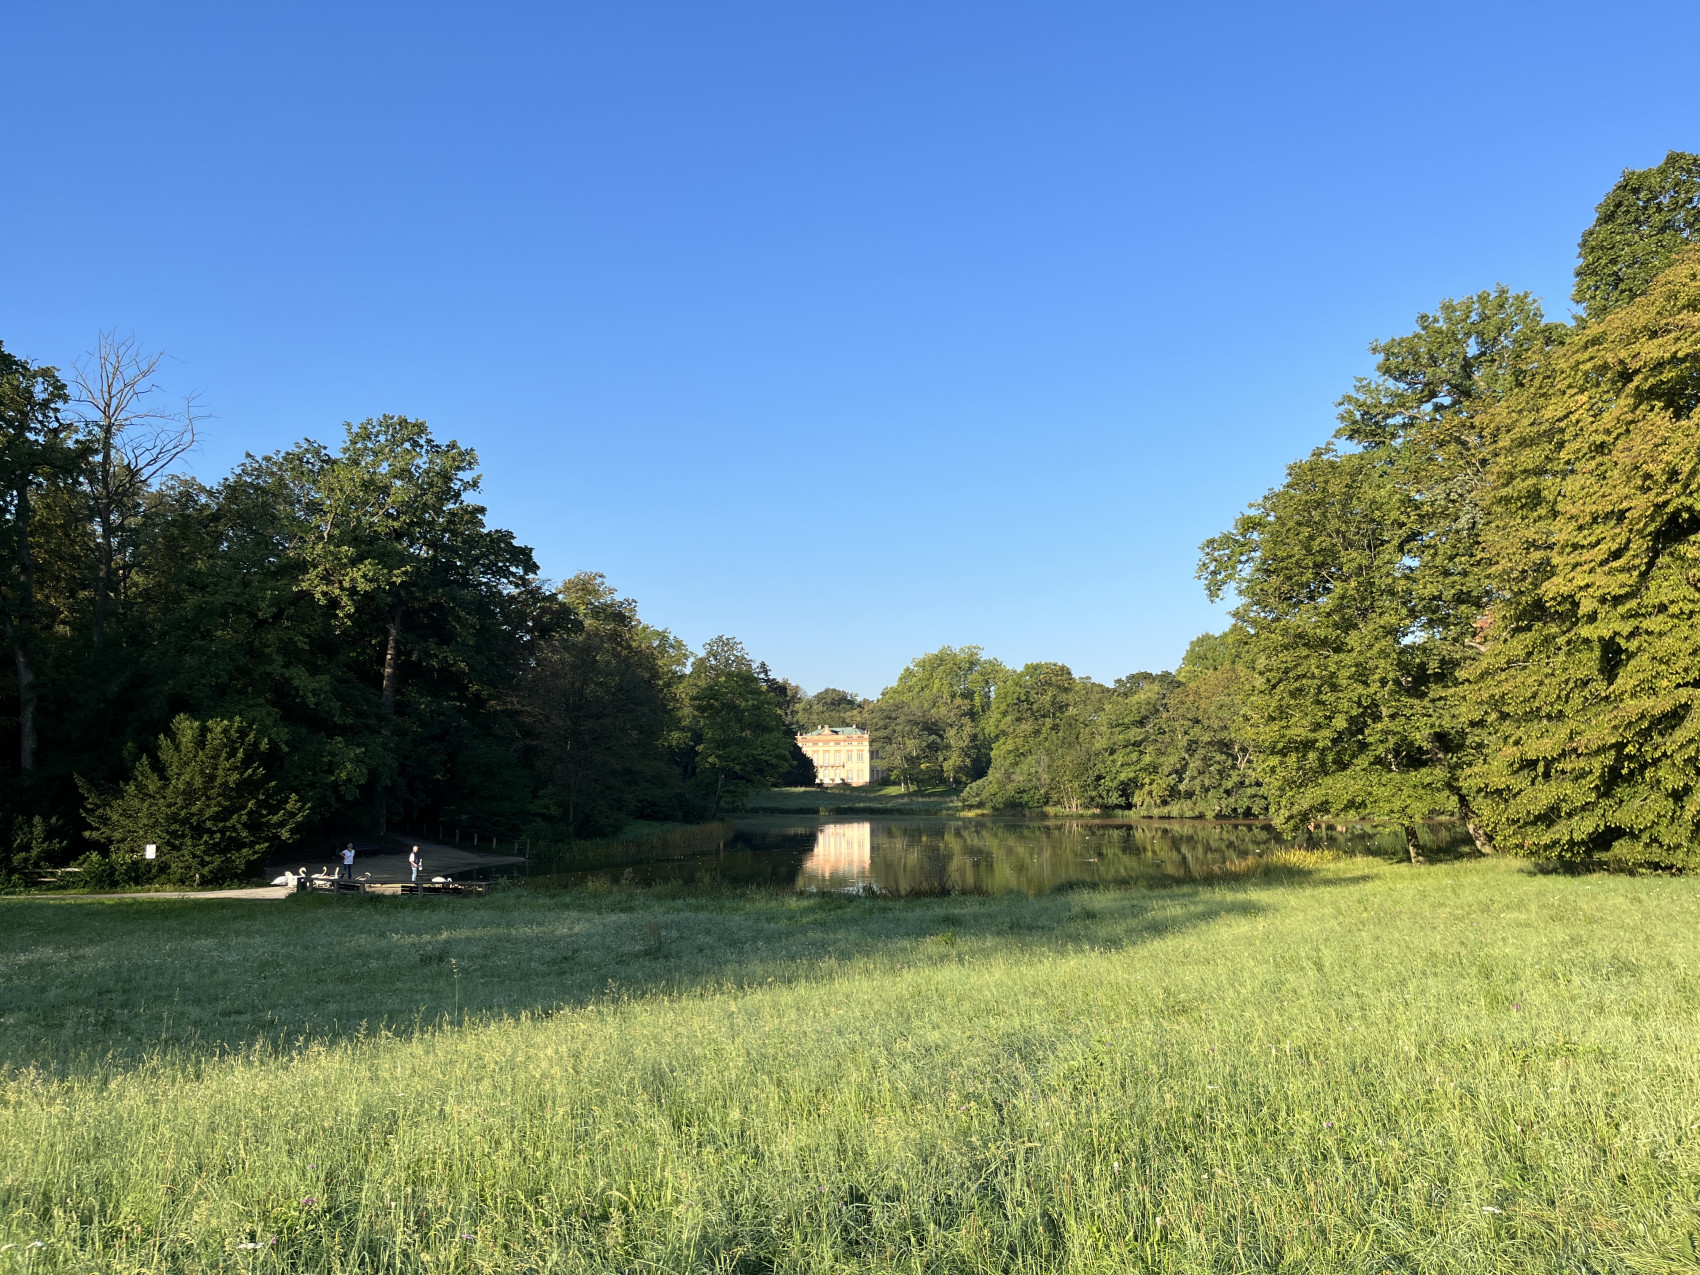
[348, 862]
[415, 861]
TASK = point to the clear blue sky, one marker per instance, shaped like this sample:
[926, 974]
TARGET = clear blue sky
[848, 329]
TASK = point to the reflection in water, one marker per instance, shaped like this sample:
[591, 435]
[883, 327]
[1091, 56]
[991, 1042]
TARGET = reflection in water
[990, 856]
[843, 856]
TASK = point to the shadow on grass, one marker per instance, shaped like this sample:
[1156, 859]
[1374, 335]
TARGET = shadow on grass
[92, 985]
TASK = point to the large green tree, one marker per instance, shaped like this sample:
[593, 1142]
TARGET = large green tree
[1342, 712]
[1180, 743]
[829, 706]
[910, 740]
[36, 453]
[1641, 225]
[738, 736]
[392, 544]
[1360, 579]
[1047, 731]
[947, 699]
[595, 707]
[1588, 693]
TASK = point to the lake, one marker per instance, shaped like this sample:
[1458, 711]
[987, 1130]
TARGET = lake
[941, 855]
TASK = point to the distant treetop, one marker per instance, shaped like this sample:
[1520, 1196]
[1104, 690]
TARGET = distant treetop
[1639, 227]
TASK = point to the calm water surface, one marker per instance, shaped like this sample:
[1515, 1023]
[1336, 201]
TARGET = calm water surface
[988, 856]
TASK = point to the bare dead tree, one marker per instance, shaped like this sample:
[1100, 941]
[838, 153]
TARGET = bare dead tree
[133, 439]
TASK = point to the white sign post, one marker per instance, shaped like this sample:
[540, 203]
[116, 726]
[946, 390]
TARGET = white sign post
[150, 851]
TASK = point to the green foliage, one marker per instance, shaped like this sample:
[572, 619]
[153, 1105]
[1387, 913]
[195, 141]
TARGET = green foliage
[1480, 599]
[1166, 744]
[940, 710]
[1209, 652]
[209, 805]
[1588, 689]
[595, 707]
[1503, 492]
[1046, 727]
[737, 728]
[1360, 578]
[392, 546]
[1180, 744]
[352, 605]
[29, 844]
[39, 456]
[910, 740]
[828, 707]
[1639, 228]
[1340, 711]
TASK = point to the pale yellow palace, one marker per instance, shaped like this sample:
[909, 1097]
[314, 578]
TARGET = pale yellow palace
[842, 755]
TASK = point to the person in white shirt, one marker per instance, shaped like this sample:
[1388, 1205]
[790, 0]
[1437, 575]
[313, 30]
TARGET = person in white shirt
[415, 861]
[348, 862]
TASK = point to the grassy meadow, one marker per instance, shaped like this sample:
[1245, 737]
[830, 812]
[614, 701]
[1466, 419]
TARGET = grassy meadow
[1347, 1066]
[885, 799]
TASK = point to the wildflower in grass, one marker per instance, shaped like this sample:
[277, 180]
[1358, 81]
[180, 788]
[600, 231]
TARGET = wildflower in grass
[466, 1236]
[1488, 1208]
[1327, 1124]
[309, 1201]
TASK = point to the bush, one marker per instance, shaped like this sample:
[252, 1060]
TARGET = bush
[209, 805]
[111, 870]
[28, 846]
[1000, 791]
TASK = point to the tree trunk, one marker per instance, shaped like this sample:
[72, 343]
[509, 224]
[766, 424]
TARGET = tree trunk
[103, 518]
[719, 786]
[26, 698]
[392, 659]
[102, 587]
[1467, 813]
[1411, 847]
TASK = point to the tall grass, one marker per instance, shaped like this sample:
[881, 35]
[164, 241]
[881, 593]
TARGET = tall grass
[843, 799]
[1354, 1067]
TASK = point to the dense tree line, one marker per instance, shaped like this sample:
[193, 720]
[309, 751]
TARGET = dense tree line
[323, 643]
[1172, 744]
[1479, 600]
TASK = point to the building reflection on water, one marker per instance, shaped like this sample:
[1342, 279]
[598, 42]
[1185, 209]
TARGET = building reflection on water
[987, 856]
[843, 856]
[931, 856]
